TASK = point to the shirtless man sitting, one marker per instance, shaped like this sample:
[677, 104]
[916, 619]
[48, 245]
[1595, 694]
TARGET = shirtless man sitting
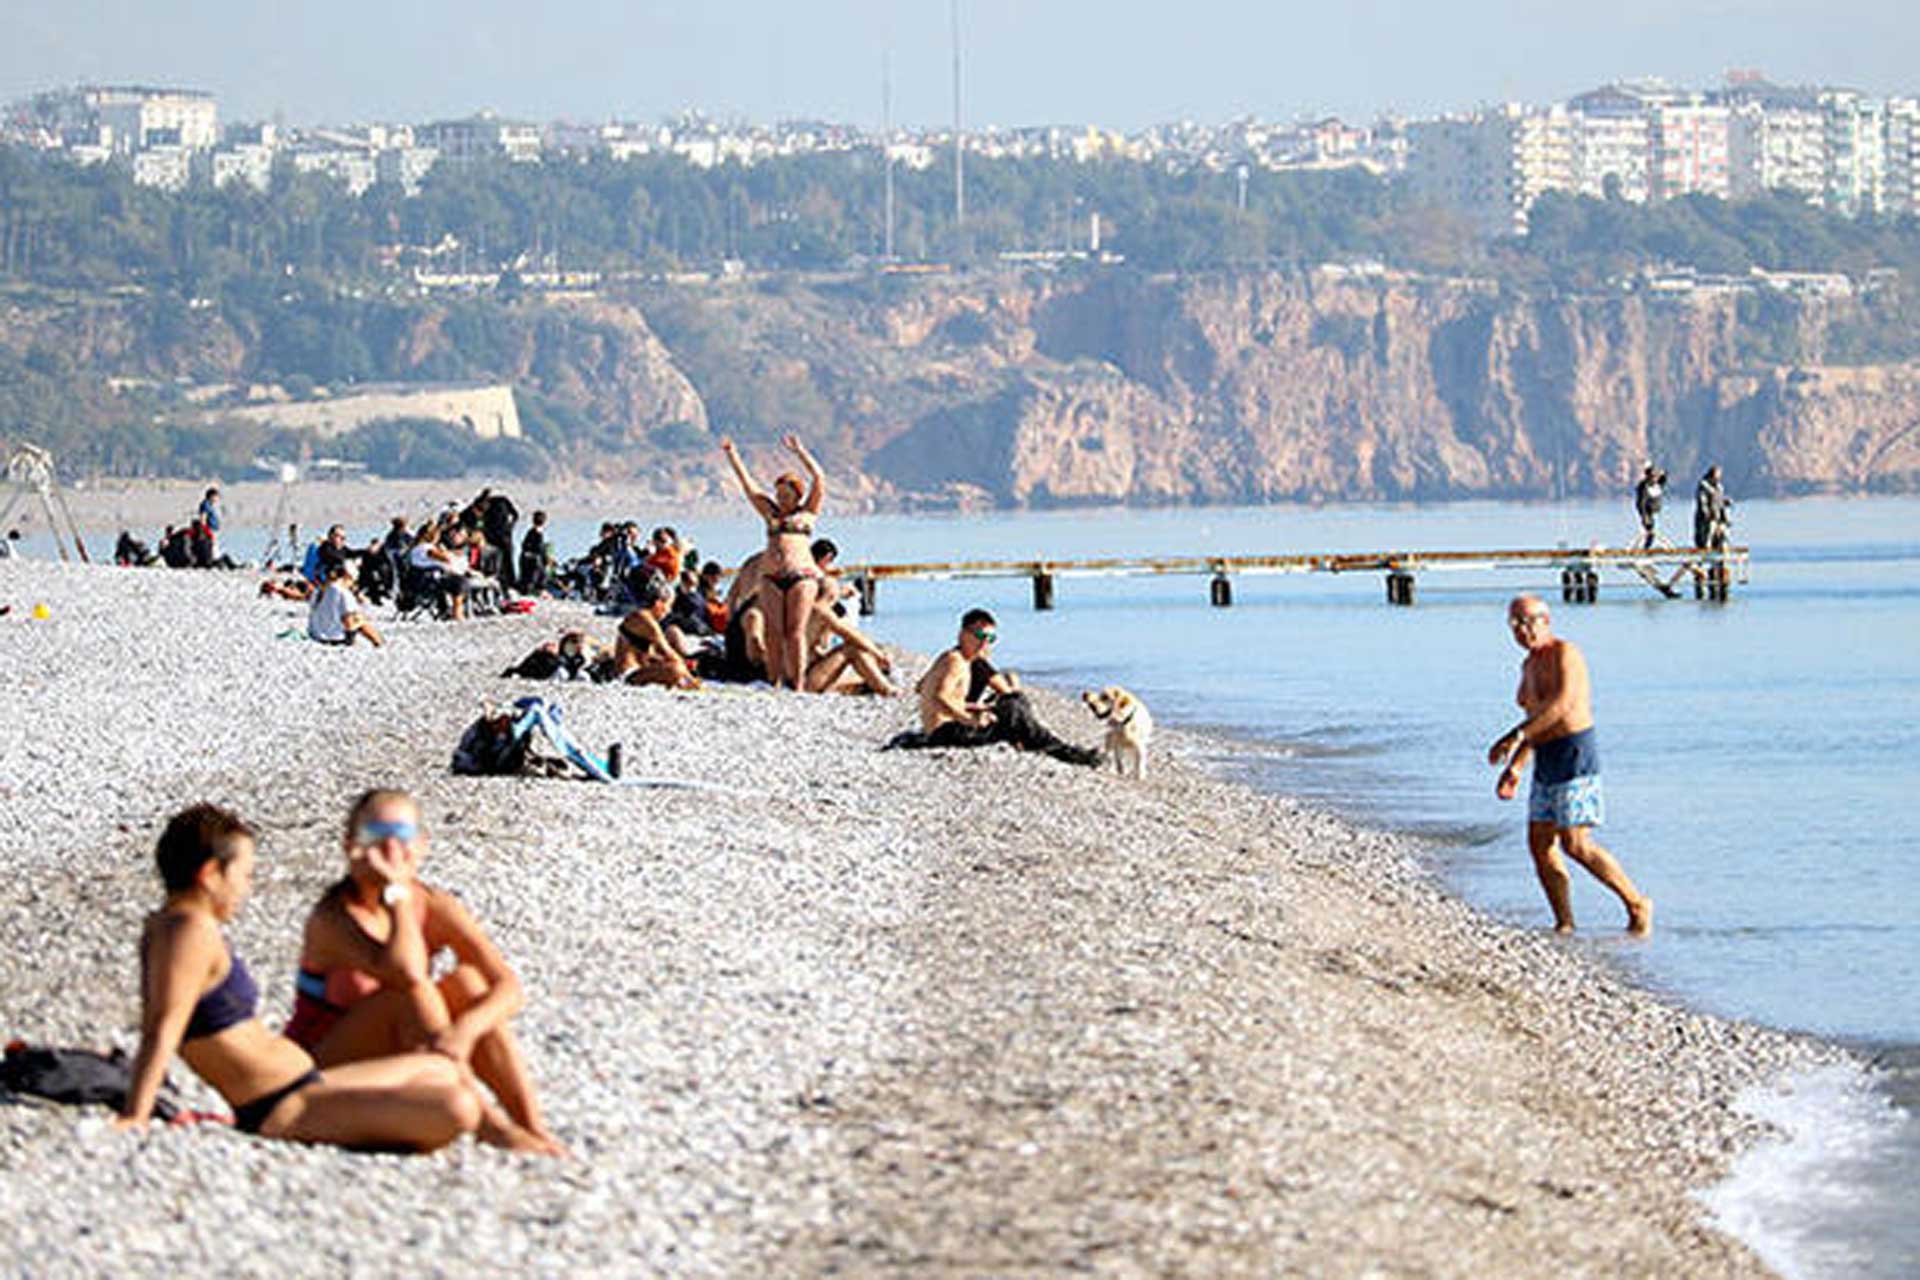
[966, 702]
[1565, 803]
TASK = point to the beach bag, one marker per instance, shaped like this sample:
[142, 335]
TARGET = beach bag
[79, 1077]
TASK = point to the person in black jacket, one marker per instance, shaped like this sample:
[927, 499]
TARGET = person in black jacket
[535, 555]
[498, 515]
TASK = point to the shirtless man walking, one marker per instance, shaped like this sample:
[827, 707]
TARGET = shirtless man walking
[1565, 803]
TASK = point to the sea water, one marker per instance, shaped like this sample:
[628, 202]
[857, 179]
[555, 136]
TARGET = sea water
[1758, 757]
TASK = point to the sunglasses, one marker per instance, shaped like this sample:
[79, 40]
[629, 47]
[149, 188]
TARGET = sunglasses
[369, 834]
[988, 636]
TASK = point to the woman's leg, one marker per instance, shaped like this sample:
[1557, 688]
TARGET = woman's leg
[417, 1101]
[773, 608]
[793, 633]
[385, 1023]
[828, 674]
[497, 1059]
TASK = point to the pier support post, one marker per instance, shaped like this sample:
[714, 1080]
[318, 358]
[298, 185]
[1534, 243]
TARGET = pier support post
[1221, 591]
[868, 590]
[1400, 587]
[1580, 586]
[1718, 581]
[1043, 591]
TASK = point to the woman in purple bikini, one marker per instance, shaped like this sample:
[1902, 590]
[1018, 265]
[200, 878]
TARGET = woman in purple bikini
[197, 999]
[790, 580]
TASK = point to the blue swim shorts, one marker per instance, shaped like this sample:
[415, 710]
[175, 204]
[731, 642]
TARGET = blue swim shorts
[1577, 802]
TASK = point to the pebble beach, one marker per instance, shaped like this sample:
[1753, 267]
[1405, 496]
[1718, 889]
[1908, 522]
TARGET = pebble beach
[833, 1010]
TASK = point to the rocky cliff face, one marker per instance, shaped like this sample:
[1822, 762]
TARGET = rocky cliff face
[1112, 386]
[1122, 388]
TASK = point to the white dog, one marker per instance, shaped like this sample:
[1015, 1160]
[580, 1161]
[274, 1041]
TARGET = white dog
[1129, 727]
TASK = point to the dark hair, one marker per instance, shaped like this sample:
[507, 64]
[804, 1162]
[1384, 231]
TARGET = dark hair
[194, 837]
[539, 517]
[712, 569]
[213, 491]
[977, 618]
[651, 589]
[823, 549]
[668, 530]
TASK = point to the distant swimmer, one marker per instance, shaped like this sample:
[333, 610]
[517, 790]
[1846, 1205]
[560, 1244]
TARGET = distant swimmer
[1565, 803]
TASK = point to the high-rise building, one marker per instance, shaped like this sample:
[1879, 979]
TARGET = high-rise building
[1901, 194]
[481, 137]
[1856, 152]
[1613, 143]
[1688, 141]
[1777, 147]
[1491, 167]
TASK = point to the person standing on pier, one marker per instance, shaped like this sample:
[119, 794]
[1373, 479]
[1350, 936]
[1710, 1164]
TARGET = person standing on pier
[1648, 496]
[1712, 512]
[1557, 735]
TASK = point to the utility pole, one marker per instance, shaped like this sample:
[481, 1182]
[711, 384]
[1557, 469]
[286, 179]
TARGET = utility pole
[959, 163]
[886, 143]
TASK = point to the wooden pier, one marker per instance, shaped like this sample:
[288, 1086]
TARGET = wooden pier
[1663, 568]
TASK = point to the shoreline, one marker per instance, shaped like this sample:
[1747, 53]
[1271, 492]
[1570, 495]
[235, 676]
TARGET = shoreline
[872, 1011]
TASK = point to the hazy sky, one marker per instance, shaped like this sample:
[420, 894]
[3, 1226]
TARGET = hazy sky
[1123, 63]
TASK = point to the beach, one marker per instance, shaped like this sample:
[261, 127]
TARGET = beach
[836, 1010]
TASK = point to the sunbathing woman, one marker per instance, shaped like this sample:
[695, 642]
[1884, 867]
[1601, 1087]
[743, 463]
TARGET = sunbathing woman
[791, 578]
[364, 988]
[197, 998]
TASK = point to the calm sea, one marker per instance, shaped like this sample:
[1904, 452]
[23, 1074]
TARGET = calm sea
[1758, 757]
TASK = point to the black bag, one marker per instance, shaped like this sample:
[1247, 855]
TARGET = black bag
[542, 664]
[490, 748]
[76, 1076]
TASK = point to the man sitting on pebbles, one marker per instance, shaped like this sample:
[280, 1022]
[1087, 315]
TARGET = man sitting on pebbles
[966, 702]
[334, 617]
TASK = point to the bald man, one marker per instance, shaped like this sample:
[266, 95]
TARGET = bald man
[1566, 802]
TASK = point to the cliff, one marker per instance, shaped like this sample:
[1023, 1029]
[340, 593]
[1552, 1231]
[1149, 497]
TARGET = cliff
[1104, 386]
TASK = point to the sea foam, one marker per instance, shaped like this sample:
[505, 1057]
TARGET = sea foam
[1818, 1199]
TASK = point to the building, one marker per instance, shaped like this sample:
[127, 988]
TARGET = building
[479, 138]
[1612, 144]
[1490, 167]
[129, 118]
[1901, 193]
[250, 163]
[1777, 147]
[404, 167]
[1856, 152]
[1688, 148]
[166, 168]
[353, 170]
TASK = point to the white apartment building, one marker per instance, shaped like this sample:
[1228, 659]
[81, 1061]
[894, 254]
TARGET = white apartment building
[1689, 149]
[1612, 144]
[167, 168]
[1856, 152]
[1465, 165]
[481, 137]
[128, 118]
[404, 167]
[1777, 148]
[353, 170]
[1901, 194]
[250, 163]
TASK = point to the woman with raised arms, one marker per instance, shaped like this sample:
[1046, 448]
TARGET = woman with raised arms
[790, 580]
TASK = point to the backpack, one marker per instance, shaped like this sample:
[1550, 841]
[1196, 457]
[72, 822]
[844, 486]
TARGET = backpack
[492, 746]
[76, 1076]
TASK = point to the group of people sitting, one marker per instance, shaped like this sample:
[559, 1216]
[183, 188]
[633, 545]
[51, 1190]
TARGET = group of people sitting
[193, 545]
[377, 1053]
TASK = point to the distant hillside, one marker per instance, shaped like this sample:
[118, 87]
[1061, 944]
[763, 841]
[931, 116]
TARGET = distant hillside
[1096, 386]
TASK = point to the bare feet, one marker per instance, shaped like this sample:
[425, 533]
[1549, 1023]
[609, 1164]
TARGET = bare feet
[1564, 927]
[1640, 917]
[496, 1130]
